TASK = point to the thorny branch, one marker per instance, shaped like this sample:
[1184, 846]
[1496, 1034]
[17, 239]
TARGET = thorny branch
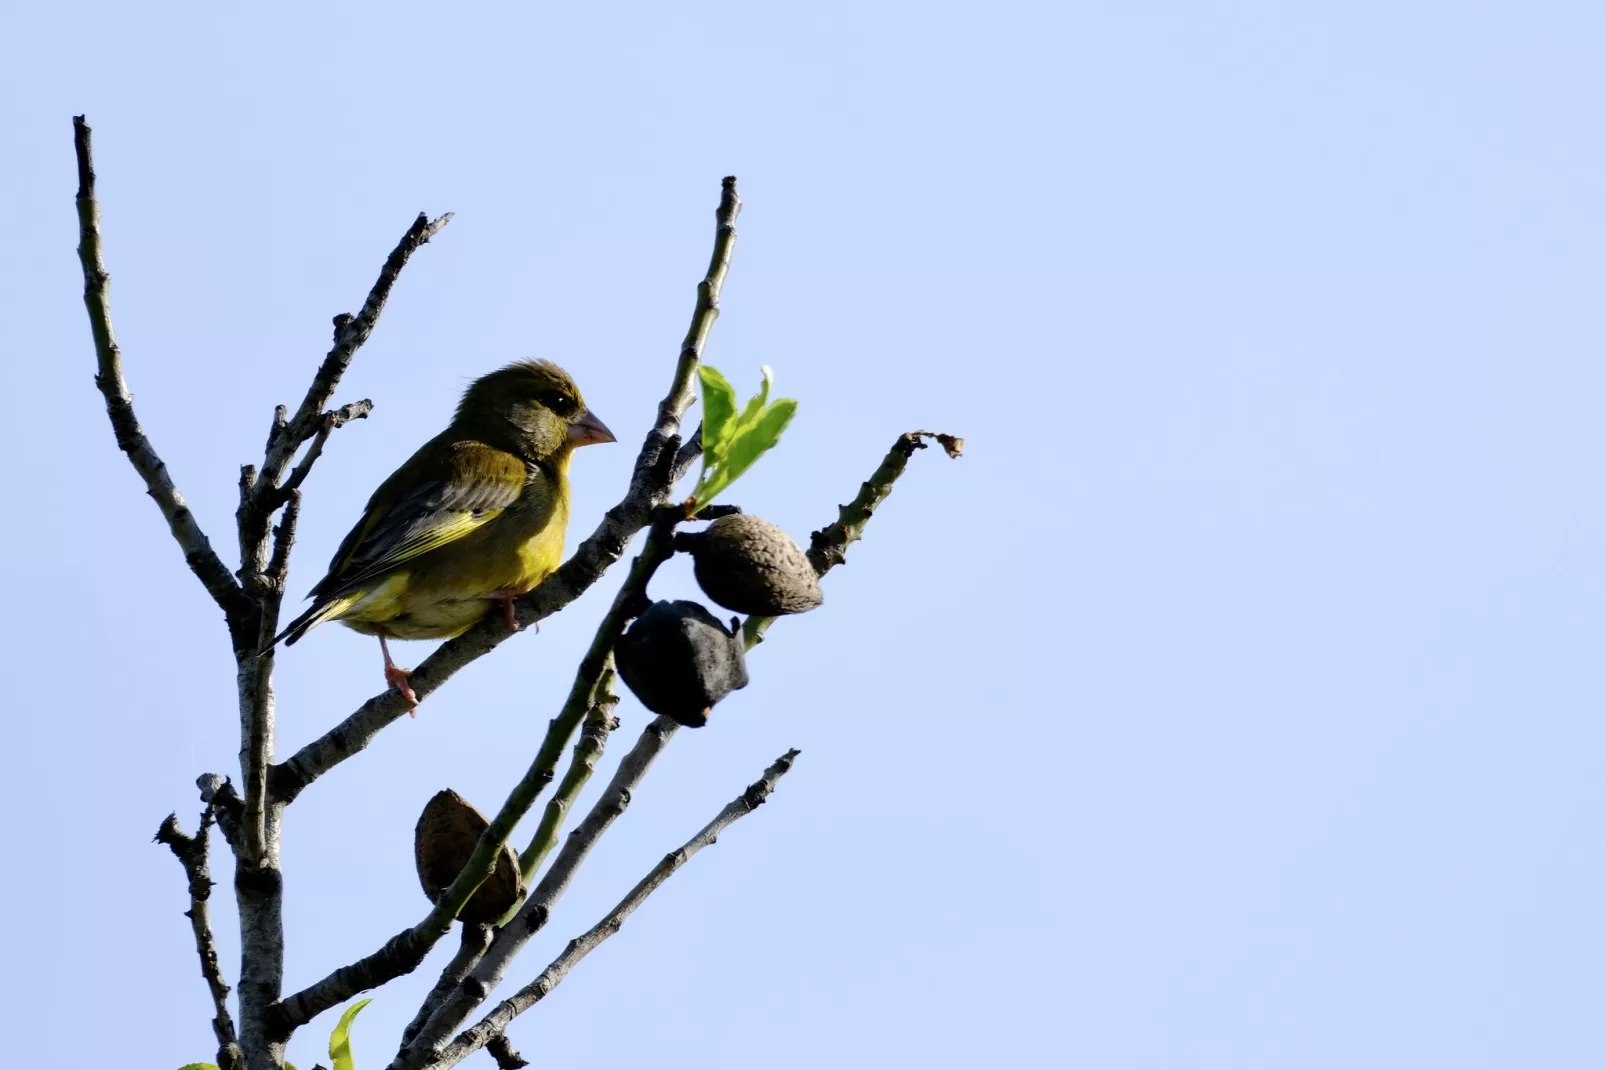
[191, 852]
[493, 1024]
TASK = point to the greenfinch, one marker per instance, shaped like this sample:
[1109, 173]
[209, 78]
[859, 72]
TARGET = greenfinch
[471, 521]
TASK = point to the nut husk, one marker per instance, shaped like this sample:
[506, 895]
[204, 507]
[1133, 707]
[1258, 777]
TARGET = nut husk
[679, 660]
[749, 565]
[448, 831]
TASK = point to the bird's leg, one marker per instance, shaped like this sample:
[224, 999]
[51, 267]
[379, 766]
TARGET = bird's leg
[396, 677]
[506, 596]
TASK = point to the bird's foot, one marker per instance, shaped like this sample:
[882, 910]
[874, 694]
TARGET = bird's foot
[397, 677]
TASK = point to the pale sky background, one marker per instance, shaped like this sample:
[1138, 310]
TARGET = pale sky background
[1234, 703]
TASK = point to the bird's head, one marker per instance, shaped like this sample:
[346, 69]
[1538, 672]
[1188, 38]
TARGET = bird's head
[533, 407]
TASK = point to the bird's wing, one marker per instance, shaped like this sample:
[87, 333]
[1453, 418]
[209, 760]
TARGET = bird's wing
[438, 497]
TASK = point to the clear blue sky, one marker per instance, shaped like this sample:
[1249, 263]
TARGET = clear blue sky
[1234, 703]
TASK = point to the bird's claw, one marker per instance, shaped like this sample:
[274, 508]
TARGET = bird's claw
[397, 678]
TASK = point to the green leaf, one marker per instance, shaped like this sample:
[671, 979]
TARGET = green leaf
[755, 408]
[736, 441]
[719, 412]
[340, 1039]
[759, 439]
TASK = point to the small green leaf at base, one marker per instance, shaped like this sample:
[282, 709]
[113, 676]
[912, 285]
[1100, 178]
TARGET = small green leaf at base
[340, 1039]
[732, 443]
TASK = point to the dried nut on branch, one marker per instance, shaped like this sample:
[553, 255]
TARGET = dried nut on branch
[448, 831]
[680, 660]
[749, 565]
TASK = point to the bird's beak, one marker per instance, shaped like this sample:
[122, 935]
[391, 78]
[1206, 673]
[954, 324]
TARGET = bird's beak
[588, 431]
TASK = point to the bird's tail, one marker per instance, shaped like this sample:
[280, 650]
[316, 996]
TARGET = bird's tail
[320, 612]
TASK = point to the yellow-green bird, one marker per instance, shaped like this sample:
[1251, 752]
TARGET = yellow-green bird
[474, 519]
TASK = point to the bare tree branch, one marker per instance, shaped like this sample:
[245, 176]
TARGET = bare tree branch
[260, 492]
[828, 546]
[706, 310]
[333, 420]
[537, 909]
[506, 1055]
[599, 723]
[284, 537]
[350, 333]
[660, 463]
[494, 1023]
[198, 553]
[192, 855]
[475, 939]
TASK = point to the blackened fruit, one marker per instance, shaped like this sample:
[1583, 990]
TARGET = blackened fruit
[448, 831]
[749, 565]
[679, 660]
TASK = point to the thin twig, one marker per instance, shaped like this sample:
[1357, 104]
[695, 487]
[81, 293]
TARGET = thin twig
[496, 1022]
[332, 421]
[828, 546]
[191, 852]
[261, 492]
[537, 909]
[707, 308]
[350, 333]
[594, 731]
[660, 463]
[475, 939]
[284, 537]
[198, 553]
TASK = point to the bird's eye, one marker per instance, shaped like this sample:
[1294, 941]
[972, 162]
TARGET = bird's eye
[558, 402]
